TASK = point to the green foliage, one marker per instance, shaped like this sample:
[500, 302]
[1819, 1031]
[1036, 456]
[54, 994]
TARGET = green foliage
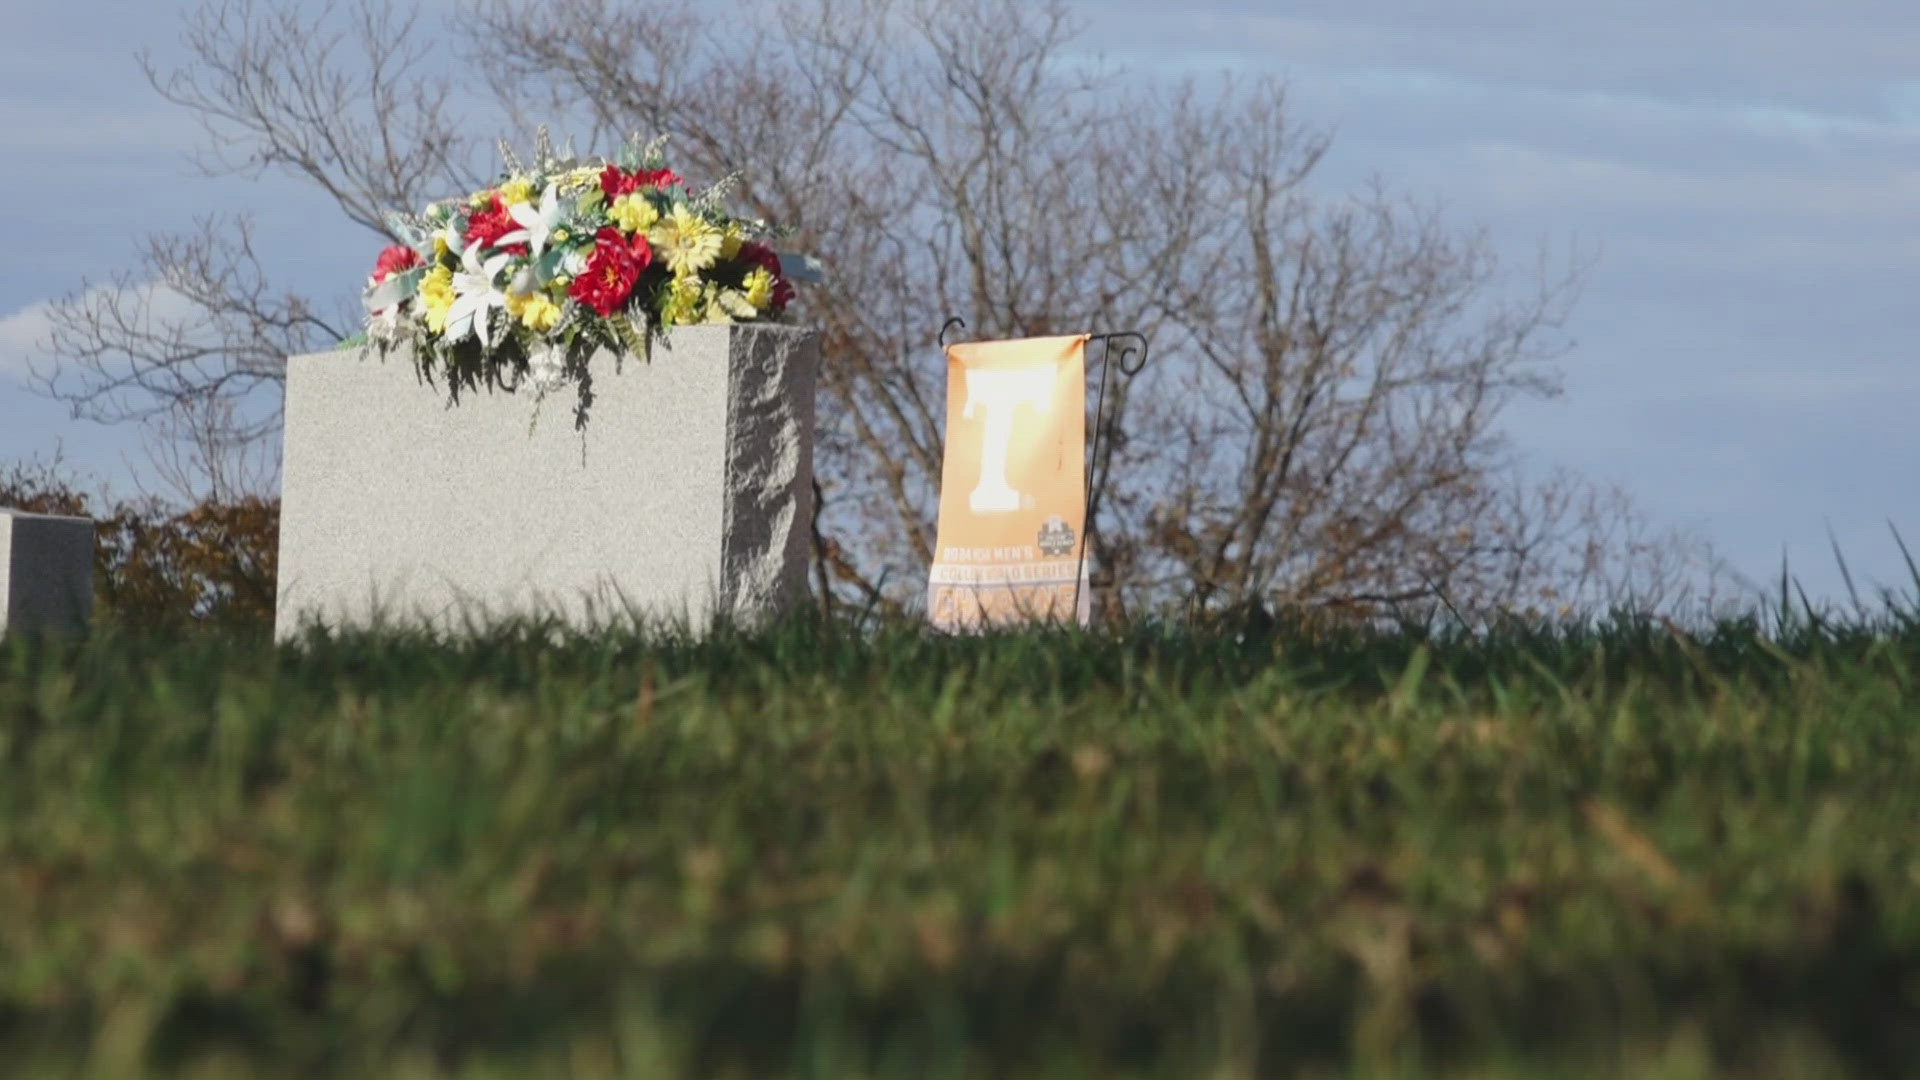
[832, 852]
[632, 337]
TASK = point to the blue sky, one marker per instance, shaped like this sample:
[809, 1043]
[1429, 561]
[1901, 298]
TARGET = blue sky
[1745, 178]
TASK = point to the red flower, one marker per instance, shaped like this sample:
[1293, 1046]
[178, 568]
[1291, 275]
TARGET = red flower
[764, 257]
[489, 224]
[615, 181]
[612, 269]
[393, 260]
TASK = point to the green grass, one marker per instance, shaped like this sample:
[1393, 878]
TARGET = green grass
[1615, 852]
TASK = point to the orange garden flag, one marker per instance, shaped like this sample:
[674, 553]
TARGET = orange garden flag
[1012, 486]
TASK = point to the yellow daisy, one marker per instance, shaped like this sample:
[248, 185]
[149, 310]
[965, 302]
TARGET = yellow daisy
[688, 242]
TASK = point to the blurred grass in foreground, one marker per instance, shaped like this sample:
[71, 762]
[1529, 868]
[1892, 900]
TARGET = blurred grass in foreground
[1622, 851]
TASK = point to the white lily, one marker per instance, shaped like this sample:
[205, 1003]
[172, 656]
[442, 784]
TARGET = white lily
[475, 296]
[536, 222]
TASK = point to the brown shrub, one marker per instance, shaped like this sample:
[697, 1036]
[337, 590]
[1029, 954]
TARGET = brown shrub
[162, 567]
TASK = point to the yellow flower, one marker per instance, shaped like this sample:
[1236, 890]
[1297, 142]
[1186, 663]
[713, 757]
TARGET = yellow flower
[758, 288]
[685, 299]
[517, 190]
[534, 310]
[436, 292]
[688, 242]
[633, 212]
[727, 305]
[730, 241]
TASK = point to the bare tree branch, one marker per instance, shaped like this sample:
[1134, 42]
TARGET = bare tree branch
[193, 340]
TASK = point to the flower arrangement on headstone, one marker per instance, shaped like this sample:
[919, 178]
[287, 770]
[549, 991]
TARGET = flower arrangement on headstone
[524, 282]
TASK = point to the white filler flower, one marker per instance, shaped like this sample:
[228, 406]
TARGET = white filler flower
[547, 368]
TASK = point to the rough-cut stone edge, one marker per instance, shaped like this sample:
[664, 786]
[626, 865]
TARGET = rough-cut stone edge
[767, 522]
[48, 562]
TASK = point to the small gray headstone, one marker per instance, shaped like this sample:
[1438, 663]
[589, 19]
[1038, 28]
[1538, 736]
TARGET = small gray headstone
[690, 496]
[49, 572]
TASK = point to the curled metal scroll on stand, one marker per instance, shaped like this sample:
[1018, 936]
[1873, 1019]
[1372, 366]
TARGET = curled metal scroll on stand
[1116, 348]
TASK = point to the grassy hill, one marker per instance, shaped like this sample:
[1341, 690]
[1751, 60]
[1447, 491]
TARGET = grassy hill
[1624, 851]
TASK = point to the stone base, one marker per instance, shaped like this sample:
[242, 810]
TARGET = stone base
[688, 497]
[49, 572]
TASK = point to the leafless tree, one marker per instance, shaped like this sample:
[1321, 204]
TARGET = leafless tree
[1318, 425]
[201, 451]
[197, 326]
[193, 339]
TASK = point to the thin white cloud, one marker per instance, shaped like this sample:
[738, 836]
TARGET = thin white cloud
[22, 337]
[1529, 174]
[25, 334]
[1524, 42]
[1773, 70]
[85, 131]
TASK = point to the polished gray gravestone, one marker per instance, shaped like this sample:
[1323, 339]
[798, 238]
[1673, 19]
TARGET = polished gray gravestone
[49, 572]
[688, 497]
